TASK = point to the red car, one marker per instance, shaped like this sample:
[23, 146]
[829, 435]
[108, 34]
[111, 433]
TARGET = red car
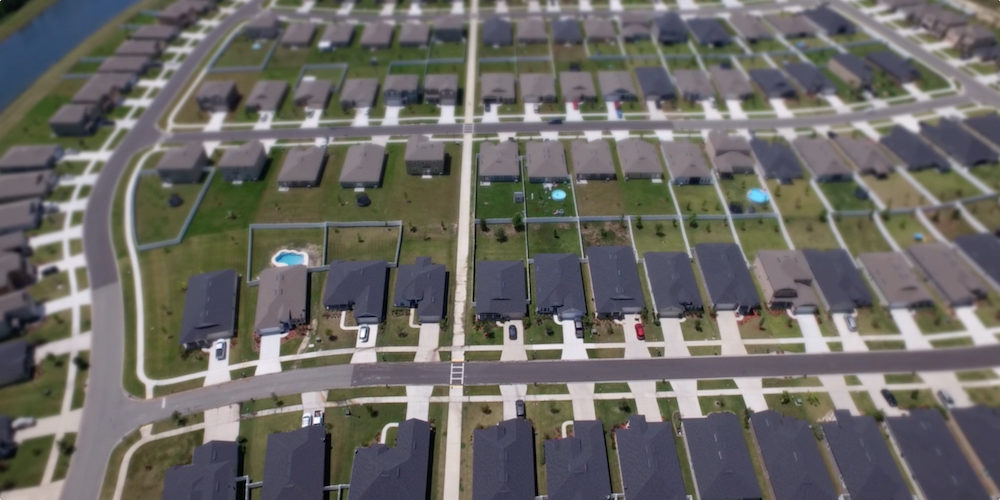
[640, 332]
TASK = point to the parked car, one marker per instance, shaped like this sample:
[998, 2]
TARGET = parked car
[889, 397]
[512, 332]
[49, 271]
[363, 333]
[220, 350]
[640, 332]
[852, 324]
[519, 408]
[556, 121]
[306, 419]
[317, 417]
[22, 423]
[946, 399]
[578, 325]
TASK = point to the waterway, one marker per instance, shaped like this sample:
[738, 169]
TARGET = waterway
[29, 53]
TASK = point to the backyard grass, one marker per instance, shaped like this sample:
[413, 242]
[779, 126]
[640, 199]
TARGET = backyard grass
[986, 211]
[708, 231]
[155, 219]
[539, 202]
[501, 242]
[243, 51]
[361, 243]
[945, 186]
[618, 197]
[547, 418]
[797, 199]
[950, 223]
[26, 467]
[903, 227]
[698, 199]
[895, 191]
[604, 234]
[759, 234]
[842, 196]
[553, 238]
[658, 236]
[150, 462]
[497, 200]
[735, 189]
[42, 395]
[861, 235]
[814, 406]
[733, 403]
[810, 233]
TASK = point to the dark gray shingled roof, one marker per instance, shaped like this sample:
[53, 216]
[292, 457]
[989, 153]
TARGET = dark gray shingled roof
[839, 282]
[295, 464]
[726, 275]
[863, 458]
[944, 269]
[987, 126]
[497, 31]
[794, 465]
[34, 157]
[615, 280]
[648, 457]
[719, 457]
[709, 31]
[773, 83]
[670, 28]
[16, 357]
[358, 285]
[267, 95]
[381, 472]
[856, 66]
[559, 284]
[914, 152]
[981, 425]
[210, 306]
[809, 77]
[750, 27]
[577, 466]
[424, 283]
[503, 461]
[791, 25]
[672, 279]
[303, 165]
[592, 157]
[777, 159]
[500, 287]
[566, 30]
[960, 144]
[211, 475]
[654, 83]
[897, 67]
[982, 249]
[829, 20]
[531, 30]
[934, 458]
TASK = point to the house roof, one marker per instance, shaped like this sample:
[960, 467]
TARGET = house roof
[414, 33]
[945, 269]
[500, 287]
[101, 86]
[267, 19]
[211, 475]
[615, 82]
[498, 159]
[637, 156]
[981, 426]
[788, 272]
[559, 284]
[187, 157]
[400, 471]
[299, 33]
[865, 154]
[649, 466]
[496, 31]
[421, 148]
[209, 306]
[30, 157]
[360, 91]
[862, 456]
[731, 83]
[599, 28]
[685, 160]
[591, 157]
[377, 33]
[708, 31]
[914, 152]
[16, 241]
[672, 280]
[449, 23]
[772, 82]
[441, 82]
[295, 464]
[155, 32]
[401, 83]
[245, 155]
[426, 284]
[315, 93]
[216, 89]
[124, 64]
[363, 164]
[839, 282]
[719, 457]
[337, 34]
[809, 77]
[795, 468]
[139, 48]
[267, 95]
[894, 65]
[983, 250]
[72, 114]
[654, 82]
[20, 214]
[6, 432]
[777, 159]
[281, 296]
[16, 354]
[933, 456]
[500, 85]
[820, 157]
[566, 30]
[302, 165]
[959, 143]
[893, 276]
[749, 27]
[725, 274]
[791, 25]
[670, 28]
[829, 20]
[615, 280]
[537, 85]
[987, 126]
[729, 152]
[503, 461]
[26, 184]
[531, 30]
[693, 82]
[855, 65]
[545, 159]
[577, 466]
[359, 285]
[576, 85]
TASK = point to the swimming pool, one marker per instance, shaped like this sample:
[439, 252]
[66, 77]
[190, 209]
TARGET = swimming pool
[758, 195]
[558, 194]
[290, 258]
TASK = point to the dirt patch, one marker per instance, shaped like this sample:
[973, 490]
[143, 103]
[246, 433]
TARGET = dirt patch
[605, 234]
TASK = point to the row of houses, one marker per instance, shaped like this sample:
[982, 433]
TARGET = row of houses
[965, 35]
[374, 35]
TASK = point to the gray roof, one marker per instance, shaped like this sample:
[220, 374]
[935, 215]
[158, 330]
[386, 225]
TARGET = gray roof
[829, 20]
[381, 472]
[672, 281]
[425, 284]
[614, 280]
[839, 282]
[855, 65]
[577, 466]
[295, 464]
[364, 163]
[216, 89]
[749, 27]
[959, 143]
[313, 94]
[20, 214]
[72, 114]
[449, 23]
[101, 86]
[981, 425]
[693, 83]
[566, 30]
[982, 249]
[414, 33]
[281, 296]
[503, 461]
[777, 160]
[893, 276]
[303, 165]
[139, 48]
[268, 94]
[537, 86]
[500, 85]
[709, 31]
[498, 159]
[794, 465]
[211, 475]
[14, 242]
[32, 157]
[337, 34]
[914, 152]
[359, 286]
[820, 157]
[210, 306]
[267, 19]
[187, 157]
[500, 287]
[598, 29]
[531, 30]
[865, 154]
[791, 26]
[685, 160]
[987, 126]
[17, 355]
[729, 152]
[401, 83]
[772, 82]
[23, 185]
[615, 82]
[786, 275]
[809, 77]
[243, 156]
[497, 31]
[655, 83]
[545, 159]
[863, 458]
[441, 82]
[726, 276]
[577, 85]
[731, 83]
[124, 64]
[637, 156]
[933, 456]
[361, 91]
[670, 28]
[559, 284]
[947, 272]
[155, 32]
[299, 33]
[648, 461]
[897, 67]
[377, 33]
[719, 457]
[591, 157]
[421, 148]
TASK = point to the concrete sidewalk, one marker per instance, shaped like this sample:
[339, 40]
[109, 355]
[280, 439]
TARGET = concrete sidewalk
[49, 426]
[65, 346]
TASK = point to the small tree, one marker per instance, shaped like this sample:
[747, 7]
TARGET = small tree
[518, 222]
[501, 236]
[483, 226]
[785, 397]
[638, 222]
[659, 229]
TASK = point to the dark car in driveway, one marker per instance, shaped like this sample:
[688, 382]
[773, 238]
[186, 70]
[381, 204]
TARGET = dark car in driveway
[519, 408]
[512, 332]
[889, 397]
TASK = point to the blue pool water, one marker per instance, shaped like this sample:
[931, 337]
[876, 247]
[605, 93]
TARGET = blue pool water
[558, 194]
[289, 258]
[757, 195]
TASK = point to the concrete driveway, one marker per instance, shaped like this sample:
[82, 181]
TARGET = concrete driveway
[365, 351]
[912, 336]
[218, 369]
[270, 351]
[513, 350]
[573, 348]
[428, 343]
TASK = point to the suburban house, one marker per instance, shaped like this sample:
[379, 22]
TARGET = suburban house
[895, 281]
[26, 158]
[357, 286]
[749, 27]
[731, 83]
[949, 136]
[729, 153]
[839, 282]
[211, 474]
[75, 120]
[862, 456]
[577, 466]
[822, 159]
[634, 26]
[577, 86]
[672, 283]
[791, 25]
[163, 33]
[914, 153]
[282, 302]
[423, 286]
[934, 459]
[16, 272]
[895, 66]
[979, 425]
[425, 157]
[336, 36]
[670, 29]
[639, 159]
[148, 48]
[377, 35]
[449, 29]
[298, 35]
[786, 281]
[183, 165]
[727, 279]
[936, 19]
[496, 32]
[23, 215]
[592, 160]
[401, 90]
[686, 163]
[303, 167]
[647, 456]
[531, 31]
[719, 458]
[829, 20]
[295, 464]
[655, 84]
[358, 93]
[948, 274]
[852, 70]
[501, 290]
[709, 31]
[401, 471]
[809, 78]
[210, 303]
[599, 30]
[313, 94]
[503, 461]
[498, 162]
[243, 163]
[866, 155]
[777, 160]
[414, 34]
[693, 84]
[970, 39]
[559, 286]
[981, 252]
[127, 65]
[537, 88]
[16, 243]
[616, 86]
[104, 92]
[183, 13]
[794, 466]
[987, 126]
[614, 281]
[267, 96]
[18, 361]
[545, 161]
[566, 31]
[441, 89]
[773, 83]
[217, 96]
[363, 166]
[497, 88]
[17, 310]
[903, 6]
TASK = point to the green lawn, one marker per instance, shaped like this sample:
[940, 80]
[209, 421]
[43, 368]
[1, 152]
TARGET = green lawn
[935, 320]
[986, 211]
[497, 200]
[735, 189]
[861, 235]
[698, 199]
[814, 405]
[243, 51]
[27, 466]
[553, 238]
[945, 186]
[547, 418]
[895, 191]
[990, 174]
[155, 219]
[475, 416]
[950, 223]
[810, 233]
[501, 242]
[759, 234]
[634, 197]
[51, 328]
[613, 414]
[732, 404]
[604, 234]
[66, 449]
[875, 320]
[902, 227]
[658, 236]
[841, 196]
[40, 396]
[797, 199]
[540, 203]
[770, 324]
[150, 462]
[708, 231]
[362, 428]
[255, 432]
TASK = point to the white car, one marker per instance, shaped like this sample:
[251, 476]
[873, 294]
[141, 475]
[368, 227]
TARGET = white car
[317, 417]
[306, 419]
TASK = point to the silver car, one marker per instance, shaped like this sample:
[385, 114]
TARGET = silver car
[852, 324]
[363, 333]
